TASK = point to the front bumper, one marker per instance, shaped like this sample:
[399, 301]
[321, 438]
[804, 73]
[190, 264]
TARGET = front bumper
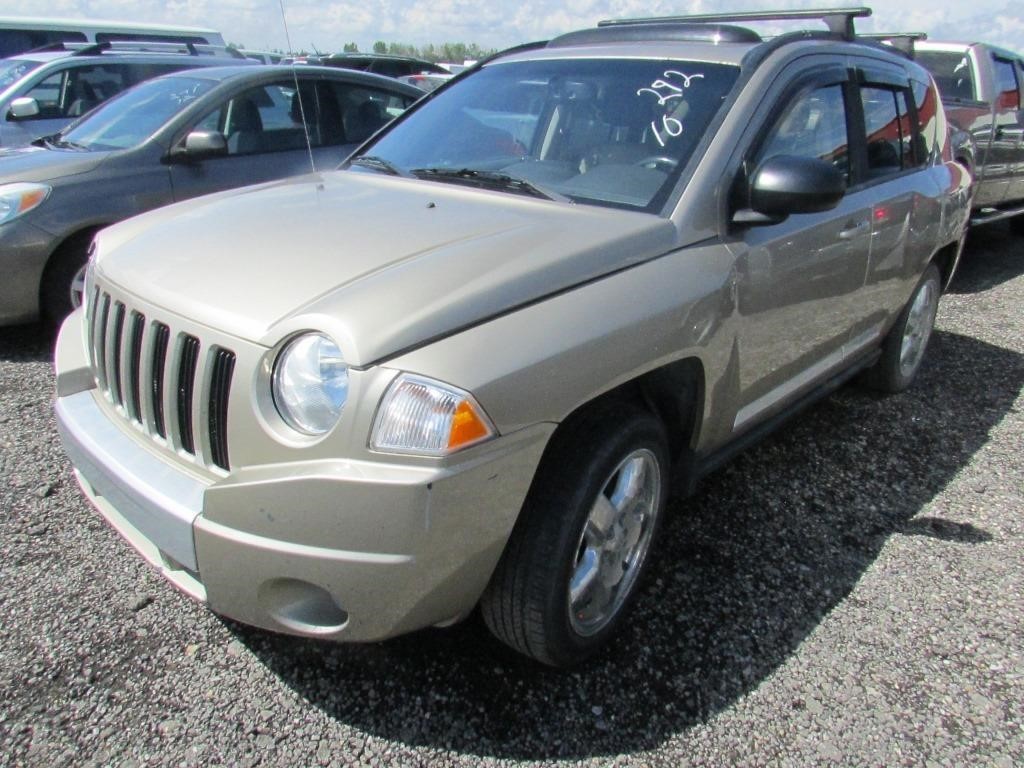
[397, 547]
[24, 251]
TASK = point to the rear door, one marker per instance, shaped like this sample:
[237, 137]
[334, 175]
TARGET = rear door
[905, 210]
[1015, 194]
[1003, 156]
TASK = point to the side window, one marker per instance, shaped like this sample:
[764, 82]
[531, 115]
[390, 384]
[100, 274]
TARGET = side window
[1006, 82]
[93, 85]
[266, 118]
[885, 126]
[73, 92]
[813, 125]
[390, 68]
[138, 73]
[363, 110]
[48, 94]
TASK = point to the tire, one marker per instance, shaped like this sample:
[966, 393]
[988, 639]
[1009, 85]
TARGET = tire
[905, 345]
[576, 557]
[65, 270]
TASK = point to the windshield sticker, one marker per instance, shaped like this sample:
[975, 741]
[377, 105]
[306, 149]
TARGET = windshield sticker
[665, 90]
[186, 94]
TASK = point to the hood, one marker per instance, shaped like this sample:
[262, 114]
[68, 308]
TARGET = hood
[381, 263]
[41, 164]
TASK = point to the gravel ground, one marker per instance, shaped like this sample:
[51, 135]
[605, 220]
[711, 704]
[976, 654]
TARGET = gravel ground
[848, 592]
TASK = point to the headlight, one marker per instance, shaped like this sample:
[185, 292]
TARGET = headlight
[16, 199]
[422, 416]
[310, 383]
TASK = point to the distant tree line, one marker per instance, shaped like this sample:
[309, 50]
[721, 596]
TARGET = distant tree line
[454, 53]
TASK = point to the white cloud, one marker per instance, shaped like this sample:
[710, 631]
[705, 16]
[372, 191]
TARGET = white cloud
[328, 24]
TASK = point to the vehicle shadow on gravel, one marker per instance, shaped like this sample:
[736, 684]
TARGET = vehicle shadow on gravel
[26, 343]
[745, 570]
[991, 257]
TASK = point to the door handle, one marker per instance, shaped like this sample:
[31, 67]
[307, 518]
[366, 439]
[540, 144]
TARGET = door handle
[855, 231]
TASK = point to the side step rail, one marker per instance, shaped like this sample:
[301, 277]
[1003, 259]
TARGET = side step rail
[988, 215]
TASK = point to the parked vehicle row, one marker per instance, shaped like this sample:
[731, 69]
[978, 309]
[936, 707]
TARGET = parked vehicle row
[189, 133]
[467, 368]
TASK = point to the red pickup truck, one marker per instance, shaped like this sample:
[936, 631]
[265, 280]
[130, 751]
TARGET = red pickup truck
[981, 87]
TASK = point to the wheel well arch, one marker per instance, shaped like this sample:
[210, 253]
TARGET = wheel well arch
[674, 393]
[945, 259]
[80, 238]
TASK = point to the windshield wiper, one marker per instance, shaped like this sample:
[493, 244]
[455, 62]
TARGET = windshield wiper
[488, 180]
[378, 164]
[56, 142]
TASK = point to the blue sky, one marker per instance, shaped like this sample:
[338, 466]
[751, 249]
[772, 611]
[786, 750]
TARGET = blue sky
[328, 24]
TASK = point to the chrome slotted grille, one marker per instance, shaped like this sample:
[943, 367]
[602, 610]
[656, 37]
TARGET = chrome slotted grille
[167, 382]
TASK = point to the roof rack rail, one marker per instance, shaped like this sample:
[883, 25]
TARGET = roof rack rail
[901, 41]
[142, 46]
[838, 20]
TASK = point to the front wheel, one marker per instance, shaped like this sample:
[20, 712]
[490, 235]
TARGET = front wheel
[576, 557]
[64, 280]
[905, 345]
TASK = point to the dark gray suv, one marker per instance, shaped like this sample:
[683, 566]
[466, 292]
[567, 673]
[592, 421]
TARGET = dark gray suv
[169, 139]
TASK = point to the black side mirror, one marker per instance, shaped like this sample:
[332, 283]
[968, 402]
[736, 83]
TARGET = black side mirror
[788, 184]
[200, 145]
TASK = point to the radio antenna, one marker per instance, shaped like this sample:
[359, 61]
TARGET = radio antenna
[298, 92]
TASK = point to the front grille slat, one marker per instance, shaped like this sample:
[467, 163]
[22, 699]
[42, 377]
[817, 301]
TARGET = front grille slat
[138, 327]
[117, 386]
[151, 372]
[220, 386]
[188, 361]
[100, 344]
[161, 337]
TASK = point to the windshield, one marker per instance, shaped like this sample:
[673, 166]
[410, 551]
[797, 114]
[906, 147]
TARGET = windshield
[952, 73]
[135, 115]
[614, 133]
[12, 70]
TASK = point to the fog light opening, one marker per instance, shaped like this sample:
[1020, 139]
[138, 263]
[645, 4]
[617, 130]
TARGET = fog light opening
[302, 607]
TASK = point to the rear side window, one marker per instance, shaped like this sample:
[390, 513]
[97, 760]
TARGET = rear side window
[926, 102]
[892, 144]
[952, 73]
[1006, 82]
[361, 111]
[390, 68]
[813, 125]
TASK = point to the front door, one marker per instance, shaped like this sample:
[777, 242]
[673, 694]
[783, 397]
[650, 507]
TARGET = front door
[799, 280]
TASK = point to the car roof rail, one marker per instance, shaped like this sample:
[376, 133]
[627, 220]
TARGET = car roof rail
[657, 31]
[185, 48]
[838, 20]
[901, 41]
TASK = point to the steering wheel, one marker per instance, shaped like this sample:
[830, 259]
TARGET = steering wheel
[658, 163]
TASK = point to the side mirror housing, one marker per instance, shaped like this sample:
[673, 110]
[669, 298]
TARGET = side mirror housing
[22, 108]
[788, 184]
[200, 145]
